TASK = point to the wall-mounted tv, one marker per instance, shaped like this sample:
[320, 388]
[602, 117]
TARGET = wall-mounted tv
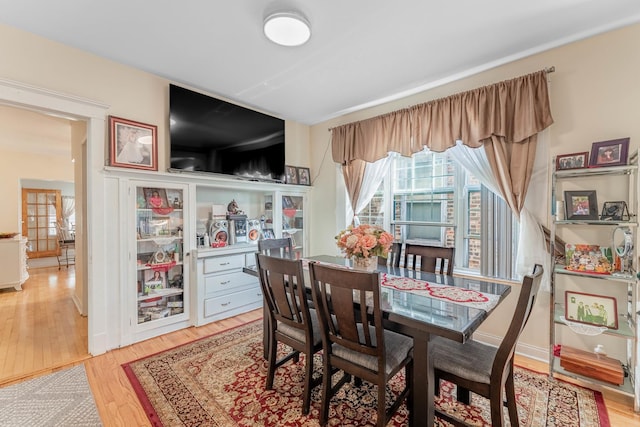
[211, 135]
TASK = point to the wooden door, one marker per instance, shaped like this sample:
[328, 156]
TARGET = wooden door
[40, 214]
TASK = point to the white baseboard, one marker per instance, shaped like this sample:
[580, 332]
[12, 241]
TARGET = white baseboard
[522, 348]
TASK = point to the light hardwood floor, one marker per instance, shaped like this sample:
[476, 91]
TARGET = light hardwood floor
[41, 332]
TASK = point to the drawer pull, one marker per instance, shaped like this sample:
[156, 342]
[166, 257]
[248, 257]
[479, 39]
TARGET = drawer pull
[225, 263]
[225, 282]
[225, 304]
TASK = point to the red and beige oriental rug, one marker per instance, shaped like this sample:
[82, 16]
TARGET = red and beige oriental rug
[219, 381]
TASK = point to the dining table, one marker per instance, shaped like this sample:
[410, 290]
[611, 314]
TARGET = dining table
[421, 305]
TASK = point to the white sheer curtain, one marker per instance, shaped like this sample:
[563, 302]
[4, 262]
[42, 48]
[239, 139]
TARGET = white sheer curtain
[531, 244]
[374, 173]
[68, 209]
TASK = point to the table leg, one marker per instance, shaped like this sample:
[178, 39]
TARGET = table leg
[423, 409]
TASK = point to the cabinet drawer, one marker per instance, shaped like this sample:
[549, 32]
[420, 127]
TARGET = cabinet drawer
[217, 305]
[228, 282]
[222, 263]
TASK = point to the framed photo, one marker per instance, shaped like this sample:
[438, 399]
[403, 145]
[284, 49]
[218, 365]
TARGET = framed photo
[132, 144]
[609, 153]
[155, 198]
[303, 176]
[580, 205]
[572, 161]
[291, 174]
[615, 211]
[598, 310]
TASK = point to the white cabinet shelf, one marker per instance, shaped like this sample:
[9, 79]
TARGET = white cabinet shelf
[619, 183]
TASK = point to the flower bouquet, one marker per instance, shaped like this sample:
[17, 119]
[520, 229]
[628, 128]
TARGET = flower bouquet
[364, 244]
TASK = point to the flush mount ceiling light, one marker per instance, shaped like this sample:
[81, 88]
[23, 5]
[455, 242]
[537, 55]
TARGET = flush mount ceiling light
[287, 28]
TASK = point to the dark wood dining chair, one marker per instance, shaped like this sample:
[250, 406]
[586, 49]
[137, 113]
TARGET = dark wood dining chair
[290, 320]
[433, 259]
[354, 340]
[282, 248]
[393, 257]
[484, 369]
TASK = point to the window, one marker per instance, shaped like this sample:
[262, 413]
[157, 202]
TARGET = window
[433, 201]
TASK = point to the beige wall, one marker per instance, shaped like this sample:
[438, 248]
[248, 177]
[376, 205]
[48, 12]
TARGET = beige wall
[595, 96]
[17, 165]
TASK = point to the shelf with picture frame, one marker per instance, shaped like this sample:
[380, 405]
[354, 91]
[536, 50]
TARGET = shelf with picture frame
[582, 213]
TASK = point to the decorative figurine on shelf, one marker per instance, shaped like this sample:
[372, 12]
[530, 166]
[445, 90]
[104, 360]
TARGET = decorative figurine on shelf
[232, 208]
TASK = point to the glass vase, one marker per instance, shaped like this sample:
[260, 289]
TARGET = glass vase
[366, 264]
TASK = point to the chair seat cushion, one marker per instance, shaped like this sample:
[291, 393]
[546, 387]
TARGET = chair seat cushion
[298, 334]
[397, 348]
[471, 360]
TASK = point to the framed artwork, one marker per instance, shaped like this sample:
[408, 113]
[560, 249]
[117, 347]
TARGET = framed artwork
[598, 310]
[572, 161]
[303, 176]
[609, 153]
[132, 144]
[580, 205]
[291, 174]
[615, 211]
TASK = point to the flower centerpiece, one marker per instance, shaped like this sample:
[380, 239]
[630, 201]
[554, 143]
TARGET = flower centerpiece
[364, 244]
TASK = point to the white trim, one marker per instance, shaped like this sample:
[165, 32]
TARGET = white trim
[522, 349]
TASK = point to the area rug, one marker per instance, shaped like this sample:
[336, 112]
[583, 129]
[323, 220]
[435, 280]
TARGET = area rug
[219, 381]
[61, 399]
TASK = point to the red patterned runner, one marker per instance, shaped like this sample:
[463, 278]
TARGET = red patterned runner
[455, 294]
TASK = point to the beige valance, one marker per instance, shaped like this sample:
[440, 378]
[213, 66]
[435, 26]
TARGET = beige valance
[513, 110]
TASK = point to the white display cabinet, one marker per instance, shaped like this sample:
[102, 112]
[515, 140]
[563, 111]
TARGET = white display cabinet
[159, 285]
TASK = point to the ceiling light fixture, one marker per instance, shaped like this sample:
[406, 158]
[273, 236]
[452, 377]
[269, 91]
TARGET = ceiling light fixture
[287, 28]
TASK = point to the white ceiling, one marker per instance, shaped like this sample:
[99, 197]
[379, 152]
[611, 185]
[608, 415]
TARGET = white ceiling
[361, 52]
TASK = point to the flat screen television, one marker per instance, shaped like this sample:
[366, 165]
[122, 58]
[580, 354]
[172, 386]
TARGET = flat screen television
[211, 135]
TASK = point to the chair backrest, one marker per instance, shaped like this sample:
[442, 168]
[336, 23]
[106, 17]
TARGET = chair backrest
[433, 259]
[282, 248]
[348, 306]
[63, 234]
[393, 258]
[526, 300]
[282, 282]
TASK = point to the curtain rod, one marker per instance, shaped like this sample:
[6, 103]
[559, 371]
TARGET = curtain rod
[548, 70]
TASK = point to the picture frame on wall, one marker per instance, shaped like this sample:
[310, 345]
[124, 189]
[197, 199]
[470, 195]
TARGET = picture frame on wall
[303, 176]
[581, 205]
[291, 174]
[609, 153]
[132, 144]
[572, 161]
[591, 309]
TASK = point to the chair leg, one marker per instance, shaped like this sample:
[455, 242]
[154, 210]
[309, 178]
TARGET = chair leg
[382, 412]
[308, 379]
[273, 347]
[512, 405]
[463, 395]
[326, 391]
[495, 401]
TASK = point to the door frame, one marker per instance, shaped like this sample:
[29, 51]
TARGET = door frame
[90, 244]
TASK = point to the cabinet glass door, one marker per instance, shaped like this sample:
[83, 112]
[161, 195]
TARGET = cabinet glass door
[160, 266]
[293, 222]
